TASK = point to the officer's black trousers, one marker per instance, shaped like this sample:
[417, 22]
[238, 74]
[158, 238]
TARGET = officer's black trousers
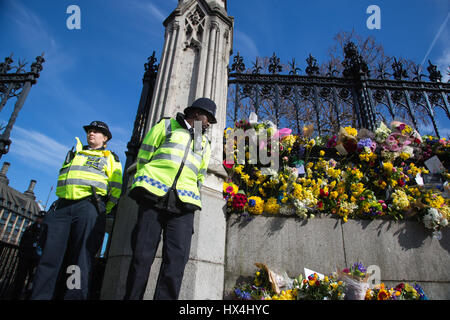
[177, 232]
[75, 232]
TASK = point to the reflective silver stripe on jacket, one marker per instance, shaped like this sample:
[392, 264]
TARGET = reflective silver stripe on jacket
[173, 145]
[150, 148]
[179, 146]
[147, 147]
[104, 160]
[82, 182]
[82, 168]
[142, 161]
[114, 184]
[175, 158]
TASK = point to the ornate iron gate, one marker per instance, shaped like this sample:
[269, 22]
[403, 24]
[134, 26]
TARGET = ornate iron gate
[332, 101]
[8, 265]
[15, 84]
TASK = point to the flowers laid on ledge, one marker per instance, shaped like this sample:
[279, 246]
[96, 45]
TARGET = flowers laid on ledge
[348, 283]
[355, 174]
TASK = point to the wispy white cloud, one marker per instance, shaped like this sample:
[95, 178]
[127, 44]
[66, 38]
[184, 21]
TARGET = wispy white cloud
[436, 37]
[33, 32]
[147, 8]
[154, 11]
[247, 46]
[30, 29]
[37, 149]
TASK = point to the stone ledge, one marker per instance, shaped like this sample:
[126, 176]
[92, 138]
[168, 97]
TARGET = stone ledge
[402, 250]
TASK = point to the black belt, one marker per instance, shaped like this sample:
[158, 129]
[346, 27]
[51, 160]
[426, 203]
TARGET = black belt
[62, 203]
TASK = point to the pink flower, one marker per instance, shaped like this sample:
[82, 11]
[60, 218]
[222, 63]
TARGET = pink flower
[391, 143]
[277, 135]
[230, 190]
[282, 133]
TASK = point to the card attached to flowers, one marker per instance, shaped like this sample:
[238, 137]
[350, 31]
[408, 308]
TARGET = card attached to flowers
[434, 165]
[300, 165]
[309, 272]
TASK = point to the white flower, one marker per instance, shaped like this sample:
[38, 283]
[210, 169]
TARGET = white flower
[434, 219]
[409, 150]
[382, 132]
[286, 210]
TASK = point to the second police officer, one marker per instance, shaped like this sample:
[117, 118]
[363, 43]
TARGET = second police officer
[171, 168]
[89, 186]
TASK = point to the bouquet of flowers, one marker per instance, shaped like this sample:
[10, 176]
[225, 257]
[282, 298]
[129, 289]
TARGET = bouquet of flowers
[399, 142]
[375, 174]
[277, 281]
[347, 142]
[355, 280]
[313, 288]
[268, 285]
[435, 221]
[403, 291]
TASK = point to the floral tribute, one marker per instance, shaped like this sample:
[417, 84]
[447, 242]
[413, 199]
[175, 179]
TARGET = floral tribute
[354, 174]
[268, 285]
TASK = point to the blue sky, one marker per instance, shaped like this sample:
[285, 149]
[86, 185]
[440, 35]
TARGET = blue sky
[95, 73]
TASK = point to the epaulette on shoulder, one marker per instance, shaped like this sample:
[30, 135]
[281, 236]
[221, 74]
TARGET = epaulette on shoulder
[116, 157]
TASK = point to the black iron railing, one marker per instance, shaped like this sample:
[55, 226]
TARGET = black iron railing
[8, 264]
[331, 101]
[15, 84]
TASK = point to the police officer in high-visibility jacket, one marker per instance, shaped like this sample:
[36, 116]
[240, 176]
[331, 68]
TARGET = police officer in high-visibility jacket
[171, 168]
[89, 186]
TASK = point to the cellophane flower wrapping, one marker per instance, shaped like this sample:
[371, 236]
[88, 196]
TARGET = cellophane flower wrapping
[356, 281]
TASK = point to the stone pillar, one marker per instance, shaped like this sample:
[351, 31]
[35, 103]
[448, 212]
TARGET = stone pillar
[193, 64]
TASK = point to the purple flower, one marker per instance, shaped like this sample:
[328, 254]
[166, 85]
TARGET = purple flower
[360, 267]
[366, 143]
[241, 294]
[422, 295]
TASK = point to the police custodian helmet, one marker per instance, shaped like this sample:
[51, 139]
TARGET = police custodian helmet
[99, 125]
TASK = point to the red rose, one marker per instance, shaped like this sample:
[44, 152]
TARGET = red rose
[400, 287]
[350, 146]
[323, 193]
[239, 201]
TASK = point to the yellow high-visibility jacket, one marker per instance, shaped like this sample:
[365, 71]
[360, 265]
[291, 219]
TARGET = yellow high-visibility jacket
[168, 159]
[98, 168]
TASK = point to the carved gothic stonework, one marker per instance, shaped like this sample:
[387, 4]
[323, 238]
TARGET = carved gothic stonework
[194, 28]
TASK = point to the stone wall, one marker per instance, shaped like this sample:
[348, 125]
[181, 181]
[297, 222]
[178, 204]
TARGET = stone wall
[405, 251]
